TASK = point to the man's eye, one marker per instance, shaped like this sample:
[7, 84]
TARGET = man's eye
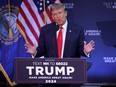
[60, 13]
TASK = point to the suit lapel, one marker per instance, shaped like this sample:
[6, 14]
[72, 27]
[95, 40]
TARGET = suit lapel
[67, 40]
[55, 49]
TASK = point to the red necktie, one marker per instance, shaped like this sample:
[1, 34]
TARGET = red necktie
[59, 42]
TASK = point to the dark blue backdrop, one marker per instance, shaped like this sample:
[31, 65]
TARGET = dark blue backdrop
[87, 13]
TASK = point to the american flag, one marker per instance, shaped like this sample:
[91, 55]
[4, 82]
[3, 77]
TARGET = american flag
[33, 14]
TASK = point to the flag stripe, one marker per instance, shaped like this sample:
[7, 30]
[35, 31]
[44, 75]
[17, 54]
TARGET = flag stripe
[33, 14]
[26, 28]
[29, 19]
[23, 29]
[29, 24]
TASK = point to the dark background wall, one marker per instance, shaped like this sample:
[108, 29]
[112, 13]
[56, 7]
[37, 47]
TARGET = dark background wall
[98, 17]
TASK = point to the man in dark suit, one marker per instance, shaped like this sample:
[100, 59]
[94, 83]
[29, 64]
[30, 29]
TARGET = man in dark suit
[73, 40]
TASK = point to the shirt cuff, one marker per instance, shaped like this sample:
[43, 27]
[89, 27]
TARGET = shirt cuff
[88, 55]
[33, 56]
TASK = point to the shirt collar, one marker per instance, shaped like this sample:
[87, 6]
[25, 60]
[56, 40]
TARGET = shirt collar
[65, 25]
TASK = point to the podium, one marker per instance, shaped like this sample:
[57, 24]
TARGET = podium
[50, 71]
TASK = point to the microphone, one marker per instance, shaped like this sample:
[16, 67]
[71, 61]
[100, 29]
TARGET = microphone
[56, 27]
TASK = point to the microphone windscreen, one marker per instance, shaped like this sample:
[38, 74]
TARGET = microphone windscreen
[57, 27]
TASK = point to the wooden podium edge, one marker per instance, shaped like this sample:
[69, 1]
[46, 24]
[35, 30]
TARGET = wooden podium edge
[6, 76]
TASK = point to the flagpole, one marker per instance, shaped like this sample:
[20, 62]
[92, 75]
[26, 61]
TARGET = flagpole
[6, 76]
[10, 30]
[44, 3]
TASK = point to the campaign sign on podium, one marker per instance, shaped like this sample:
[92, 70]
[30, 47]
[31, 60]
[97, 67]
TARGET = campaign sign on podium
[60, 71]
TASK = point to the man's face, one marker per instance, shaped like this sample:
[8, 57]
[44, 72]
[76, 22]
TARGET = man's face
[59, 16]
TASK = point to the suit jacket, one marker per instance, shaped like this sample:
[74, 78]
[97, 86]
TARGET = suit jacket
[74, 42]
